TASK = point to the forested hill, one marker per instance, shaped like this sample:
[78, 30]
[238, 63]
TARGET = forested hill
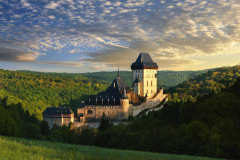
[165, 78]
[205, 83]
[36, 91]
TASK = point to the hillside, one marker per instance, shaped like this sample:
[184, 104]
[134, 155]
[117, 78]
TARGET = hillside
[165, 78]
[37, 91]
[211, 82]
[16, 148]
[207, 127]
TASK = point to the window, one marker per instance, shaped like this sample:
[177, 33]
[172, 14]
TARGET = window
[90, 112]
[151, 83]
[147, 83]
[151, 91]
[155, 75]
[147, 91]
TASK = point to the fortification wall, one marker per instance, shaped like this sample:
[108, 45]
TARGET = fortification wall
[150, 103]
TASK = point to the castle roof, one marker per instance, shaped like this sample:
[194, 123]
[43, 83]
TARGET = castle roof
[136, 80]
[144, 61]
[111, 96]
[117, 85]
[57, 111]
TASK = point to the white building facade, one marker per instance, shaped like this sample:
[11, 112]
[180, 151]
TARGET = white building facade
[144, 76]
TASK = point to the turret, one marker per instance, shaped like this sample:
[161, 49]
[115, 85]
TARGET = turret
[125, 104]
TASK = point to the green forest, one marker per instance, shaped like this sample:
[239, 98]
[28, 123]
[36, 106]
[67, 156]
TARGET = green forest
[165, 78]
[37, 91]
[212, 81]
[201, 118]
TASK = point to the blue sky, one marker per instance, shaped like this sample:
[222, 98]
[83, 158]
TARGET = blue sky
[99, 35]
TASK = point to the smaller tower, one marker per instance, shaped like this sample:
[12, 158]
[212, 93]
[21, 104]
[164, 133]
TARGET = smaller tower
[125, 104]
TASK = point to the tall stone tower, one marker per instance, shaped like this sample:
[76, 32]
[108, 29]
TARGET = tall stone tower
[144, 75]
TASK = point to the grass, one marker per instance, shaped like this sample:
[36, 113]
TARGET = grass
[18, 149]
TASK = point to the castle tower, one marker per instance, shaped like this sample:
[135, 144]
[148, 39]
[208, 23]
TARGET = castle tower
[144, 75]
[124, 101]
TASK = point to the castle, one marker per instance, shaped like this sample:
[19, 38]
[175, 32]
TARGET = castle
[119, 102]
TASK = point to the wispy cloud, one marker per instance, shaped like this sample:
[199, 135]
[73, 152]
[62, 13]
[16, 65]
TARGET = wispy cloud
[113, 33]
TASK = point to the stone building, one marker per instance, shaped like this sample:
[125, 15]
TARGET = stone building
[144, 76]
[59, 116]
[114, 103]
[119, 102]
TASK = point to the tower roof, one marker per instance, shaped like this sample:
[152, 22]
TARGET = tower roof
[124, 95]
[144, 61]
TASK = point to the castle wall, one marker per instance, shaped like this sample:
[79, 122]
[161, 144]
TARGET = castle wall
[150, 103]
[59, 120]
[115, 113]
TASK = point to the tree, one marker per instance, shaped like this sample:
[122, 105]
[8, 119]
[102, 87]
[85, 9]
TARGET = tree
[45, 130]
[104, 123]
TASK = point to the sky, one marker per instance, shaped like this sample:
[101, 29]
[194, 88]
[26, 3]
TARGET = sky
[99, 35]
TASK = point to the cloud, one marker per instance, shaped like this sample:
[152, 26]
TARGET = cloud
[63, 63]
[113, 33]
[25, 4]
[13, 55]
[51, 17]
[52, 5]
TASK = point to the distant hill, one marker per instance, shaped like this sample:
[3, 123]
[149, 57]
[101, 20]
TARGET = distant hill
[205, 83]
[165, 78]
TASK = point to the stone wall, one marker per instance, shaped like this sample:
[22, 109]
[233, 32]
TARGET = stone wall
[94, 113]
[150, 103]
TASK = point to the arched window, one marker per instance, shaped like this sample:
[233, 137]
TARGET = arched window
[151, 83]
[89, 112]
[147, 83]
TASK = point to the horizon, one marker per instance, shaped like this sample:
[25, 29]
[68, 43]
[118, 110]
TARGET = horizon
[91, 36]
[122, 70]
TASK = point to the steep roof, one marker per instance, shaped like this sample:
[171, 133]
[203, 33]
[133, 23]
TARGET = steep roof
[144, 61]
[112, 95]
[57, 111]
[117, 85]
